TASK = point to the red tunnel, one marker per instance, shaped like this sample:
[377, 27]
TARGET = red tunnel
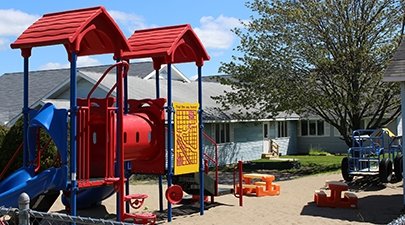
[144, 137]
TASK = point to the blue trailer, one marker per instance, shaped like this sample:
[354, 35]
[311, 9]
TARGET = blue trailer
[374, 152]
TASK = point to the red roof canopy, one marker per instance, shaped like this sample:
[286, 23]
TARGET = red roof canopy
[86, 31]
[173, 44]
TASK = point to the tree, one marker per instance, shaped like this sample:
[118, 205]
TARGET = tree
[3, 132]
[319, 57]
[14, 138]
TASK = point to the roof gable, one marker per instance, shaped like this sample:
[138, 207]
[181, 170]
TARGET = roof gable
[396, 69]
[11, 89]
[86, 31]
[172, 44]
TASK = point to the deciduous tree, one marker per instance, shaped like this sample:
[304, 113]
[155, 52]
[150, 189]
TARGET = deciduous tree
[318, 57]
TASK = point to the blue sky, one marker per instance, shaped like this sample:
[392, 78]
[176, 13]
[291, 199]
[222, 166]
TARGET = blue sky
[210, 19]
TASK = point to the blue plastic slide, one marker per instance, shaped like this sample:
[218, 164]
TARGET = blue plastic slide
[54, 122]
[23, 181]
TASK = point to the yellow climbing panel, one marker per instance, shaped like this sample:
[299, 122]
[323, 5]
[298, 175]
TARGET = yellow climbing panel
[186, 146]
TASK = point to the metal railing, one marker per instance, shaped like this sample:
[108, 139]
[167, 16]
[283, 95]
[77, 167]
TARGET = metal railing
[26, 216]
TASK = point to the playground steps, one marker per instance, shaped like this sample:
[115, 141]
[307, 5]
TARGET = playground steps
[269, 155]
[135, 200]
[191, 184]
[96, 182]
[141, 218]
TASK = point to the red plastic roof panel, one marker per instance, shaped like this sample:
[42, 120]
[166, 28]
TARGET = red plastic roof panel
[86, 31]
[173, 44]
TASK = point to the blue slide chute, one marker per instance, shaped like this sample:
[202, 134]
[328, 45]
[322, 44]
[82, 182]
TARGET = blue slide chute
[54, 122]
[23, 181]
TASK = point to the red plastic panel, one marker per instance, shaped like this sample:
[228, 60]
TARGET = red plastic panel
[86, 31]
[173, 44]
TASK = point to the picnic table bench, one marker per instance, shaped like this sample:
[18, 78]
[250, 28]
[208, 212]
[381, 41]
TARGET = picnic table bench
[335, 199]
[263, 187]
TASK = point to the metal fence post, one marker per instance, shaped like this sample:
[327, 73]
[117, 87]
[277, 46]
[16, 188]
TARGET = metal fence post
[24, 206]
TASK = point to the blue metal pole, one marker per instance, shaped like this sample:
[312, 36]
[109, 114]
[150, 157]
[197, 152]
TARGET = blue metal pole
[119, 145]
[127, 164]
[126, 94]
[200, 140]
[403, 137]
[25, 111]
[73, 153]
[127, 175]
[157, 80]
[169, 137]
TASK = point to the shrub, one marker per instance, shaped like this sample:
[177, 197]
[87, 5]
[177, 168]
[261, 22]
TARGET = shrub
[11, 141]
[14, 138]
[3, 132]
[318, 152]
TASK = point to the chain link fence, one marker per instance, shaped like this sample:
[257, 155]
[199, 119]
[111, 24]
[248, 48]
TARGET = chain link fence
[26, 216]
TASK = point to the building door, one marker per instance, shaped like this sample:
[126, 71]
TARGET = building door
[266, 137]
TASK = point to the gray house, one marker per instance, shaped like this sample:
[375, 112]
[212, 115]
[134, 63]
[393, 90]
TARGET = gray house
[237, 139]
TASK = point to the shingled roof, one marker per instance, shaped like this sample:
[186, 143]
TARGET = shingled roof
[44, 81]
[11, 90]
[86, 31]
[172, 44]
[396, 69]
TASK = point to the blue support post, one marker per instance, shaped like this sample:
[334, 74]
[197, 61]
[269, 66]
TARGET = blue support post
[157, 81]
[403, 136]
[120, 145]
[127, 175]
[169, 137]
[73, 153]
[200, 141]
[25, 111]
[125, 94]
[127, 164]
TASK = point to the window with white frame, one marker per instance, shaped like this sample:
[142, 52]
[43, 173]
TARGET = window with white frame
[282, 130]
[312, 128]
[222, 133]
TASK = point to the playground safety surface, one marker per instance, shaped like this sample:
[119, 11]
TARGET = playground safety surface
[378, 204]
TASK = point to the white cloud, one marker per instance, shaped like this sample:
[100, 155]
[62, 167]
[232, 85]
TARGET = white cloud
[87, 61]
[3, 43]
[14, 22]
[216, 32]
[53, 65]
[129, 21]
[82, 61]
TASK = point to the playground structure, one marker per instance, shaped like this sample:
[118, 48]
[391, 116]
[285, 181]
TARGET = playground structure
[374, 152]
[112, 137]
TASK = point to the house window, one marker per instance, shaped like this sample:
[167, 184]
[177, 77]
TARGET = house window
[222, 132]
[304, 128]
[312, 128]
[282, 129]
[265, 130]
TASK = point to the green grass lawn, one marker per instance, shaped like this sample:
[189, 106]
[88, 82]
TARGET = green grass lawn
[306, 160]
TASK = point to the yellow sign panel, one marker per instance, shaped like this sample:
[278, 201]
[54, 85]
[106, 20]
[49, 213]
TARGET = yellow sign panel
[186, 131]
